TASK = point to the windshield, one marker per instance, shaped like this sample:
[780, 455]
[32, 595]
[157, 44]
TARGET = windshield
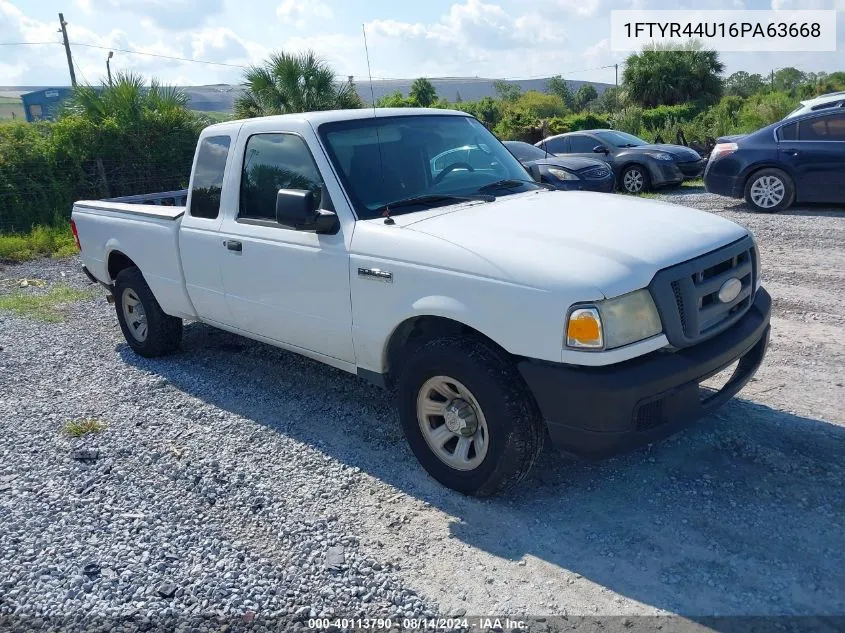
[620, 139]
[387, 159]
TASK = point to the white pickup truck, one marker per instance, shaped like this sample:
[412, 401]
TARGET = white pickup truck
[411, 248]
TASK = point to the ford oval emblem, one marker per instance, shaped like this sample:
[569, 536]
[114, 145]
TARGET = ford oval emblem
[730, 290]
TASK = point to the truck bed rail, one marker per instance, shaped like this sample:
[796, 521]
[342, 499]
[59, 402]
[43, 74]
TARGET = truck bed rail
[165, 198]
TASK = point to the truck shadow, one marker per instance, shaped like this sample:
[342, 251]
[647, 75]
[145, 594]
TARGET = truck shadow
[742, 514]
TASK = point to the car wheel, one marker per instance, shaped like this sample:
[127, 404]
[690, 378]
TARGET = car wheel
[769, 191]
[468, 415]
[147, 329]
[635, 179]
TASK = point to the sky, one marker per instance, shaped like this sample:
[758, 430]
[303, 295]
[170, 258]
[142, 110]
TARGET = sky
[407, 38]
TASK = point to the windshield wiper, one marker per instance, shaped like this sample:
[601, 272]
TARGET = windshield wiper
[390, 208]
[510, 183]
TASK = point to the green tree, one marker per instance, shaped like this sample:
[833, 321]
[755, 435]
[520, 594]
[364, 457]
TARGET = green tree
[557, 85]
[423, 92]
[293, 83]
[788, 79]
[666, 75]
[612, 99]
[507, 91]
[541, 106]
[586, 93]
[394, 100]
[743, 84]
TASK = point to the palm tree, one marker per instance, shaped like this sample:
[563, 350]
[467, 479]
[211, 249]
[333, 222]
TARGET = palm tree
[128, 102]
[423, 92]
[293, 83]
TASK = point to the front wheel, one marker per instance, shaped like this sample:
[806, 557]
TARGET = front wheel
[635, 179]
[769, 191]
[146, 327]
[468, 416]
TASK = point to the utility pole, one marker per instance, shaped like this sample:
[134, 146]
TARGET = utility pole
[108, 66]
[616, 92]
[63, 31]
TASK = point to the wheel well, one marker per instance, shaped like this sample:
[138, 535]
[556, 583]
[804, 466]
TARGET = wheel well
[117, 262]
[415, 332]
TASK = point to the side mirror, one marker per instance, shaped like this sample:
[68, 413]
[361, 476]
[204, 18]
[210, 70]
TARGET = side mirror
[534, 170]
[297, 209]
[600, 149]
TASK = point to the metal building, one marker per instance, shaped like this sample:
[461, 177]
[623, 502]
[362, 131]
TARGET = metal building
[43, 104]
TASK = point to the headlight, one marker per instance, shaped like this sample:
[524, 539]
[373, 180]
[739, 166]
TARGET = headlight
[613, 323]
[562, 174]
[659, 155]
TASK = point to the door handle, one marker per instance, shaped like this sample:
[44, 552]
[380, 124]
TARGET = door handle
[234, 245]
[793, 152]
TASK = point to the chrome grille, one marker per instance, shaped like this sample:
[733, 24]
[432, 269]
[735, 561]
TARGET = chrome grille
[687, 295]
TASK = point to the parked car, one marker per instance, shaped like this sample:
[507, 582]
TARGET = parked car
[499, 309]
[564, 172]
[801, 159]
[827, 101]
[638, 165]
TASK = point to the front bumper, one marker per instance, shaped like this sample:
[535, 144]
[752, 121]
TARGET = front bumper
[664, 172]
[693, 169]
[598, 411]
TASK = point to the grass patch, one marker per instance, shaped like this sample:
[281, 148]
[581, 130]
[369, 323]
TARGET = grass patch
[42, 241]
[44, 307]
[698, 182]
[78, 428]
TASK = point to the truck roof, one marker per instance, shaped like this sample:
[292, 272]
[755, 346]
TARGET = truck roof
[330, 116]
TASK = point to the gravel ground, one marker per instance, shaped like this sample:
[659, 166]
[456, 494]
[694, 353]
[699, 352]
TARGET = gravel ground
[240, 482]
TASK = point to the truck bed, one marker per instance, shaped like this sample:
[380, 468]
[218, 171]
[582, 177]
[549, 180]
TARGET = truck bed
[143, 228]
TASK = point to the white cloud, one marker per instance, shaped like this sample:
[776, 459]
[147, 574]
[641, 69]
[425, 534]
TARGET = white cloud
[580, 8]
[168, 14]
[302, 12]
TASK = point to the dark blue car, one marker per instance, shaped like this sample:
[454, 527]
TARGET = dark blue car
[800, 159]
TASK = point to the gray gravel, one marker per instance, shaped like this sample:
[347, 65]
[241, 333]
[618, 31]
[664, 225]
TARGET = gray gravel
[236, 481]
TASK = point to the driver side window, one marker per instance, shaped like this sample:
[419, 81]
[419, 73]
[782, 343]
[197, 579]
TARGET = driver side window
[581, 144]
[272, 162]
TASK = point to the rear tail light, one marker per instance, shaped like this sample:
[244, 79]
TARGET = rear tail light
[75, 234]
[723, 149]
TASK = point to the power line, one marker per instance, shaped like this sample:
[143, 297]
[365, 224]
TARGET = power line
[26, 43]
[181, 59]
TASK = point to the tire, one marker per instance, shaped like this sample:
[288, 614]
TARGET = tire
[162, 333]
[509, 423]
[635, 179]
[769, 190]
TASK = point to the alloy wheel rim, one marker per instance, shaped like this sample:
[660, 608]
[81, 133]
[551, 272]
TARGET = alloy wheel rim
[633, 180]
[135, 315]
[452, 423]
[768, 191]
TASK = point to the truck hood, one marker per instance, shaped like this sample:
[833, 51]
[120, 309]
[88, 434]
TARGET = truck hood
[552, 239]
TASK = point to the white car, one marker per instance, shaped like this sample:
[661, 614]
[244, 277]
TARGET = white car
[497, 309]
[822, 102]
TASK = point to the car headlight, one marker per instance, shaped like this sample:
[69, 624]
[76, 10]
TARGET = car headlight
[613, 323]
[562, 174]
[659, 155]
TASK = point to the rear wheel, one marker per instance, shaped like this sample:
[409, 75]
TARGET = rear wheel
[147, 329]
[769, 191]
[635, 179]
[468, 416]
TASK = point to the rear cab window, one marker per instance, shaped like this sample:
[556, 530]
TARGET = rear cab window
[209, 171]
